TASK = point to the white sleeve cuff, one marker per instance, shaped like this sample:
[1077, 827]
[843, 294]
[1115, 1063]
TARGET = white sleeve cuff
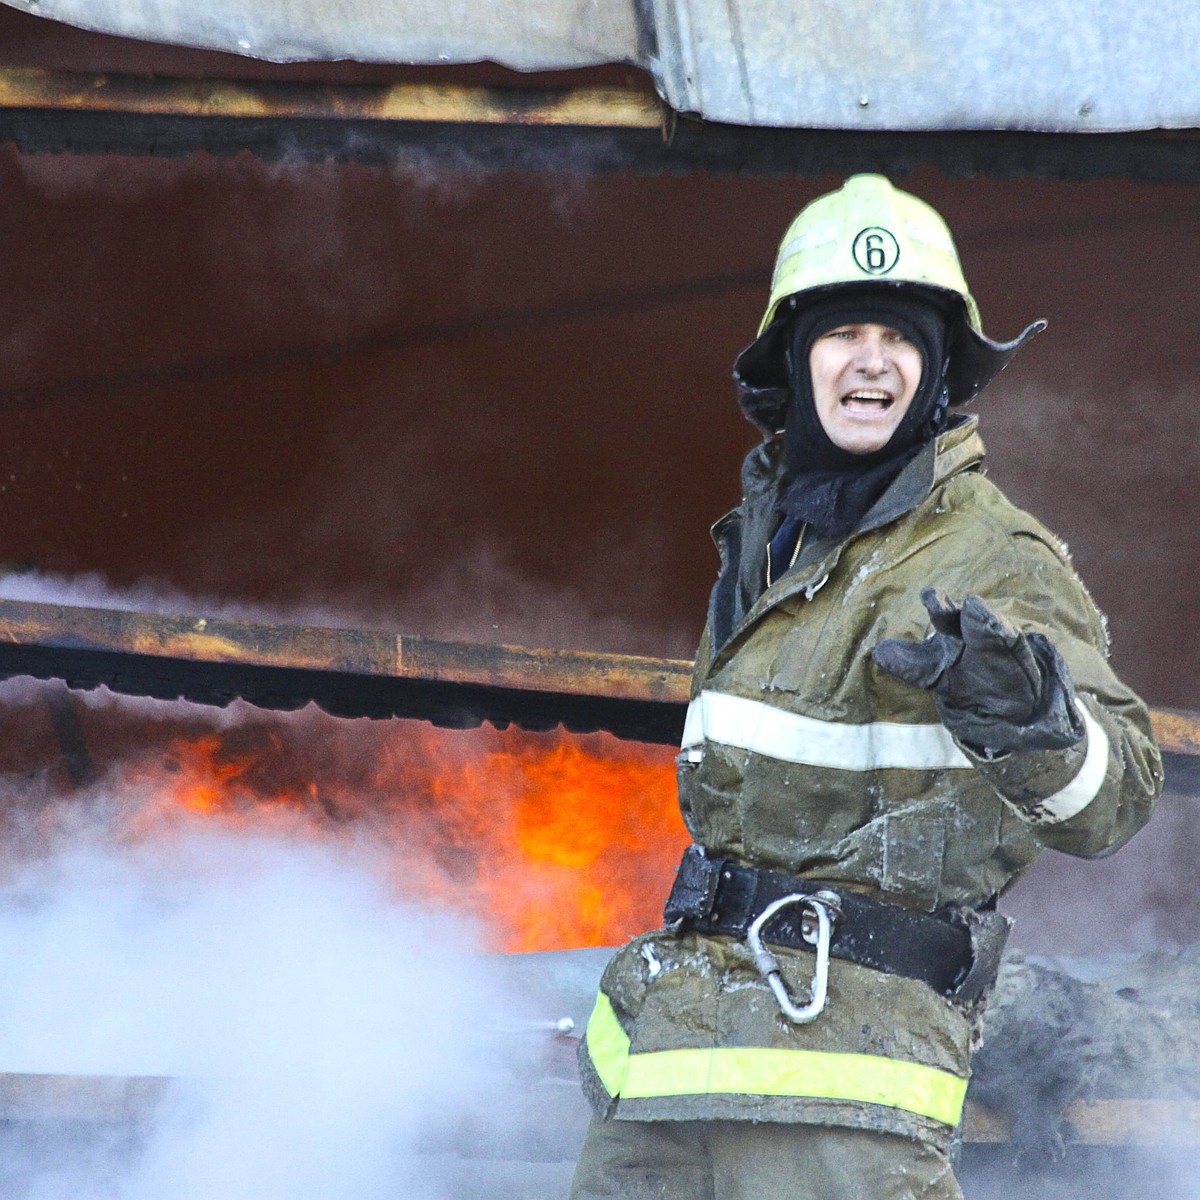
[1071, 800]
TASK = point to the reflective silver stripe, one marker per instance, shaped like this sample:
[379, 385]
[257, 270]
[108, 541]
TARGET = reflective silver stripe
[790, 737]
[1086, 785]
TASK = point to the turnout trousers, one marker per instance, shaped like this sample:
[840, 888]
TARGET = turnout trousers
[746, 1160]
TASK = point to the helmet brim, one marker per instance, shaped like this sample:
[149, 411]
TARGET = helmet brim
[761, 370]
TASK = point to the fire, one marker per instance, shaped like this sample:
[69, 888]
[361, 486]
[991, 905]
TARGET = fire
[592, 835]
[553, 840]
[208, 780]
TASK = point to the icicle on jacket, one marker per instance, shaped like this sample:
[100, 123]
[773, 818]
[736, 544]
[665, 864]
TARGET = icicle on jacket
[802, 755]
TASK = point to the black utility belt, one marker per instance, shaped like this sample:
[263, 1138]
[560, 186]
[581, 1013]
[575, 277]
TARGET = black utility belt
[956, 952]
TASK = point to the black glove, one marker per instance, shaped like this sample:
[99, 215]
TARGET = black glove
[997, 689]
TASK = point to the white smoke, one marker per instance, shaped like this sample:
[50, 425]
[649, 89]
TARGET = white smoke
[1129, 903]
[92, 590]
[475, 596]
[319, 1032]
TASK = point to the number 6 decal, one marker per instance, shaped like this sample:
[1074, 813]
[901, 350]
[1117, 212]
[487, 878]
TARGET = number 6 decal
[875, 250]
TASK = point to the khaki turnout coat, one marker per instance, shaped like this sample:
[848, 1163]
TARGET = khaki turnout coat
[802, 755]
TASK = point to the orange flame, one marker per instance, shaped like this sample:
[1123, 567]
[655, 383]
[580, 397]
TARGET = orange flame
[553, 840]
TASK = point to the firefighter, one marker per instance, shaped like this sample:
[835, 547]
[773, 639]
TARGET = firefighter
[902, 696]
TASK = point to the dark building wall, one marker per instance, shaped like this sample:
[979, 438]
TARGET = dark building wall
[497, 406]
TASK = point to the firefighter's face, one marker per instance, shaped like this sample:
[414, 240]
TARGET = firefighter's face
[864, 378]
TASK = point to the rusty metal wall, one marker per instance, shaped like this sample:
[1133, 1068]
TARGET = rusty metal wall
[295, 387]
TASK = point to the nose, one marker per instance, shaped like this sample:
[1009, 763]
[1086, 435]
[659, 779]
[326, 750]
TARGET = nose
[871, 359]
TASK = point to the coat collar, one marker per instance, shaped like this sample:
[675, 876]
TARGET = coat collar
[958, 449]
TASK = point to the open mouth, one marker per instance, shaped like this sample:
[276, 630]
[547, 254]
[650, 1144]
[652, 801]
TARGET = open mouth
[867, 400]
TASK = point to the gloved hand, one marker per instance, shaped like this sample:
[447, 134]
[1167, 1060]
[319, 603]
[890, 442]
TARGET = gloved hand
[997, 689]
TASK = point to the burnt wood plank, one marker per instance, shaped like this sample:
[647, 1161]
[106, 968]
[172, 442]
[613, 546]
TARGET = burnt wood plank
[348, 673]
[536, 128]
[376, 673]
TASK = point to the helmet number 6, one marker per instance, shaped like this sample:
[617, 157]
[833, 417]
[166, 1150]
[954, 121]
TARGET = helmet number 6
[876, 250]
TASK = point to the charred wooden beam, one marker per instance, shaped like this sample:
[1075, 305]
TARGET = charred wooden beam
[374, 673]
[94, 1098]
[348, 673]
[1177, 732]
[109, 1099]
[536, 129]
[1105, 1122]
[585, 107]
[76, 1098]
[547, 1114]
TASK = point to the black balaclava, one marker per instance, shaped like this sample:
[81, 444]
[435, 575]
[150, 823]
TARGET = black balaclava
[828, 488]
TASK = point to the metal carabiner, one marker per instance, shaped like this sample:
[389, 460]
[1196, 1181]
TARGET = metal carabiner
[820, 905]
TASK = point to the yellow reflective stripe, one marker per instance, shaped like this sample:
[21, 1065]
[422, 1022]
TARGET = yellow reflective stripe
[608, 1045]
[755, 1071]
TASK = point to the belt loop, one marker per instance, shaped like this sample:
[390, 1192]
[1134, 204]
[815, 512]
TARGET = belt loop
[695, 888]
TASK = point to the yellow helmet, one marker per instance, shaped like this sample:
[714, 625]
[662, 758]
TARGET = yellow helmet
[869, 233]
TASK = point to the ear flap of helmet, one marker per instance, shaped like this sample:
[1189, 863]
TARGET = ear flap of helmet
[975, 360]
[761, 372]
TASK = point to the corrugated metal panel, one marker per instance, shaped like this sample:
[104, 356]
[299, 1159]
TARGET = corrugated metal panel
[529, 35]
[1051, 65]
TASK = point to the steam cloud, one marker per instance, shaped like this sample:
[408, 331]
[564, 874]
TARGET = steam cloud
[319, 1031]
[327, 1041]
[475, 598]
[94, 591]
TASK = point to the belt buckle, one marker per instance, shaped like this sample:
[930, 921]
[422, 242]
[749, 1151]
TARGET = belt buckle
[819, 906]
